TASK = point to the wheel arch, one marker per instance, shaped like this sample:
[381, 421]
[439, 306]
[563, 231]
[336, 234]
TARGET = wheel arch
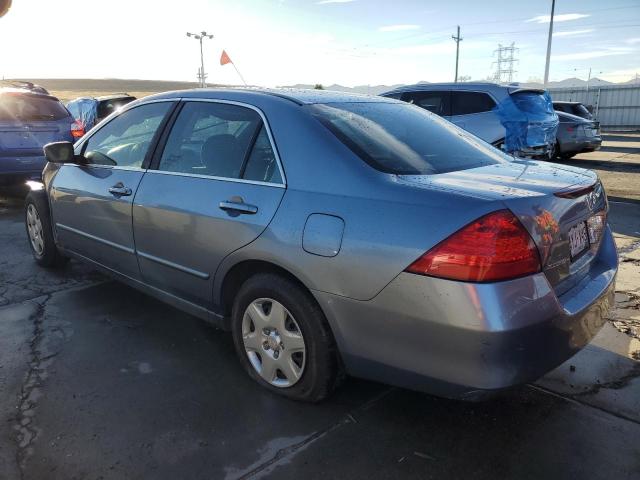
[239, 273]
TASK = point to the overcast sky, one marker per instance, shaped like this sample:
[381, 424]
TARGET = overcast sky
[351, 42]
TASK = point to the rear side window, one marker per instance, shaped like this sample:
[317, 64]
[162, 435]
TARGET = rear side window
[435, 102]
[560, 107]
[401, 139]
[465, 103]
[262, 165]
[18, 106]
[220, 140]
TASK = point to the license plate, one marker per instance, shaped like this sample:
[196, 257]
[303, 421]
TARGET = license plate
[578, 239]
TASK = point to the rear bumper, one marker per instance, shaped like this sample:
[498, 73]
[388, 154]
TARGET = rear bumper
[465, 340]
[16, 170]
[540, 152]
[581, 145]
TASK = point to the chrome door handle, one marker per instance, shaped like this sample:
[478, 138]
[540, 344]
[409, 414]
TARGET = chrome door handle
[239, 206]
[119, 190]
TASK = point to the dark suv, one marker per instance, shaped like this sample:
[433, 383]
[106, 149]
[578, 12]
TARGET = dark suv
[88, 111]
[28, 120]
[573, 108]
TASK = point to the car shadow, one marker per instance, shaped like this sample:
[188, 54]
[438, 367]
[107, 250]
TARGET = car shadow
[612, 166]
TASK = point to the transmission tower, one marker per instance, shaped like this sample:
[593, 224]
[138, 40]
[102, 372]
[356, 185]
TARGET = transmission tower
[505, 63]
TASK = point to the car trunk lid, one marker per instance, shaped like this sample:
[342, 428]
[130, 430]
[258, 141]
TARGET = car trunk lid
[557, 204]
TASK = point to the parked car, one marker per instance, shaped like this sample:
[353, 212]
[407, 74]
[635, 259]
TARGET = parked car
[518, 120]
[574, 108]
[24, 85]
[28, 121]
[576, 135]
[88, 111]
[337, 233]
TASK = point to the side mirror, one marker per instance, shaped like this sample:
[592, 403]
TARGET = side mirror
[59, 152]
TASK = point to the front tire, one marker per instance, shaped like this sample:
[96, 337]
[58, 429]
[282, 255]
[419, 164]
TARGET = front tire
[283, 339]
[40, 232]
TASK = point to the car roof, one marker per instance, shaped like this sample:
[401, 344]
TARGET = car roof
[478, 86]
[113, 96]
[24, 91]
[297, 95]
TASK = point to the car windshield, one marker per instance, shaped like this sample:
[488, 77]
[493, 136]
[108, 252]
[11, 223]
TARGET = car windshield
[403, 139]
[17, 106]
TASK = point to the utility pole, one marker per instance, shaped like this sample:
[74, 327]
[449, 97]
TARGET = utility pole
[201, 36]
[546, 65]
[457, 39]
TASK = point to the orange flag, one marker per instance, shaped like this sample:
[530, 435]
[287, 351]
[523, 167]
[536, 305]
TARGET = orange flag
[224, 58]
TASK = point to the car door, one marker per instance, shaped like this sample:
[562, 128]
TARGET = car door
[435, 101]
[213, 187]
[473, 111]
[91, 203]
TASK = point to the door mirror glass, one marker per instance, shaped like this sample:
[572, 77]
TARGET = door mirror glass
[59, 152]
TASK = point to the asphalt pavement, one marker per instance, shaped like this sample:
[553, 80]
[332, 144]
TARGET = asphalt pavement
[98, 381]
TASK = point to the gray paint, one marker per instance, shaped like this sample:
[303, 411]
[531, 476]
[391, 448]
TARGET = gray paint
[462, 336]
[323, 235]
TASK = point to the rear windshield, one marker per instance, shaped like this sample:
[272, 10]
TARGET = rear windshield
[107, 107]
[18, 106]
[403, 139]
[582, 111]
[532, 102]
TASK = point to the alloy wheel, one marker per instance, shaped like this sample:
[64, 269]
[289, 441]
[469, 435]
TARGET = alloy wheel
[34, 227]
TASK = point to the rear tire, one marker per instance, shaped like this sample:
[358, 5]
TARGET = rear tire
[40, 233]
[295, 357]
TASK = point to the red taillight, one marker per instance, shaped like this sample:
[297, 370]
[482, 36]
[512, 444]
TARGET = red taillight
[77, 129]
[494, 247]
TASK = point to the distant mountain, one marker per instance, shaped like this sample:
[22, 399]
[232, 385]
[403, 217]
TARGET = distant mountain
[110, 84]
[634, 81]
[578, 82]
[365, 89]
[378, 89]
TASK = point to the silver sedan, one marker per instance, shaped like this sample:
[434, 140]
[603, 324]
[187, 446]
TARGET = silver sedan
[336, 234]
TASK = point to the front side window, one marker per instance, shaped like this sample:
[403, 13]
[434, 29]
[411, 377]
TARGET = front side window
[220, 140]
[125, 140]
[401, 139]
[465, 103]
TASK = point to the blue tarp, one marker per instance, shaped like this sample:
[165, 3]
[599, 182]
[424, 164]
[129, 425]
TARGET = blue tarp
[84, 110]
[529, 120]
